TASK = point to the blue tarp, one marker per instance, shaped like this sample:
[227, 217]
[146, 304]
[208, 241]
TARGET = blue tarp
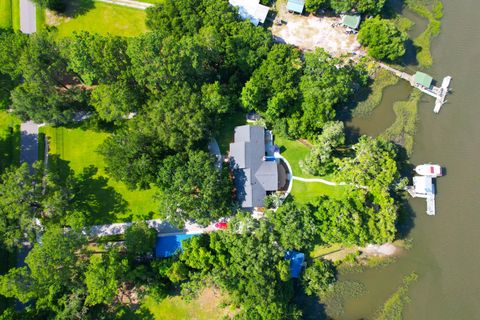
[166, 246]
[296, 262]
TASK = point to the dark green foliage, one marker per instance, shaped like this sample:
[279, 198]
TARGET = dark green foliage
[320, 159]
[272, 90]
[324, 87]
[49, 93]
[318, 277]
[12, 46]
[193, 188]
[247, 264]
[96, 58]
[312, 6]
[57, 5]
[133, 154]
[361, 6]
[140, 240]
[383, 39]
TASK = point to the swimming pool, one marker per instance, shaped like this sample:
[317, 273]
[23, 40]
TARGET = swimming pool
[166, 246]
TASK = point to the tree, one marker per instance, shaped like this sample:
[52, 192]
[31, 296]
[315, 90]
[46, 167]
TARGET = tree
[318, 277]
[319, 161]
[383, 39]
[325, 84]
[193, 188]
[56, 5]
[115, 101]
[102, 277]
[96, 58]
[312, 6]
[49, 93]
[133, 154]
[140, 239]
[372, 7]
[295, 226]
[12, 47]
[273, 88]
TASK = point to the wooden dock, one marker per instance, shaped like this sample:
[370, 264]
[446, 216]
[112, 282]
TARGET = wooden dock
[439, 93]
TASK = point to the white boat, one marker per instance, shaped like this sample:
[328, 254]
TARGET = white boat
[432, 170]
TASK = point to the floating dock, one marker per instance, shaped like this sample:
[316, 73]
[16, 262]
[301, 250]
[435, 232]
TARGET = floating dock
[423, 187]
[439, 93]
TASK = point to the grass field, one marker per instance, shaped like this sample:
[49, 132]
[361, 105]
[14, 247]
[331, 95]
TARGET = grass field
[78, 147]
[16, 14]
[5, 13]
[205, 307]
[105, 18]
[9, 139]
[304, 192]
[40, 18]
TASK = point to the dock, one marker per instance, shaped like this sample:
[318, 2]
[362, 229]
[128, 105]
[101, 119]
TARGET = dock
[423, 187]
[439, 93]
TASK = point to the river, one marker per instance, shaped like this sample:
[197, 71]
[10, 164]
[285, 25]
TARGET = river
[446, 247]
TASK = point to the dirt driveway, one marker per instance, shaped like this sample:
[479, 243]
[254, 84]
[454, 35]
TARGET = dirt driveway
[308, 33]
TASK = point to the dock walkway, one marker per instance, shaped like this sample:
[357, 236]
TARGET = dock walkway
[439, 93]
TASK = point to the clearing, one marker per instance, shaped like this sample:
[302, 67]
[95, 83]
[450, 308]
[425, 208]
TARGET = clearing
[310, 32]
[103, 19]
[207, 306]
[78, 147]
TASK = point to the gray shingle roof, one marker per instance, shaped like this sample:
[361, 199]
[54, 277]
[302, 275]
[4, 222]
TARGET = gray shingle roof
[253, 175]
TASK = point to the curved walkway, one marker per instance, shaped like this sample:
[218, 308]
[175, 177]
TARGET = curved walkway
[330, 183]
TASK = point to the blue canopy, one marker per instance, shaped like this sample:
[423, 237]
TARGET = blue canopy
[296, 262]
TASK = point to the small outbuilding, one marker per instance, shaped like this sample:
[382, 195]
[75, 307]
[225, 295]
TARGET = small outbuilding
[251, 9]
[423, 79]
[351, 21]
[296, 6]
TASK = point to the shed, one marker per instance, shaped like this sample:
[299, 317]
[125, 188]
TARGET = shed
[251, 9]
[351, 21]
[296, 6]
[423, 79]
[423, 185]
[296, 262]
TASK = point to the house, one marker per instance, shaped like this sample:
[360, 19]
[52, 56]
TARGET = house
[423, 79]
[256, 170]
[296, 6]
[251, 9]
[351, 21]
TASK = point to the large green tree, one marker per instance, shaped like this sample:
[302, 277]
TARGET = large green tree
[193, 188]
[383, 39]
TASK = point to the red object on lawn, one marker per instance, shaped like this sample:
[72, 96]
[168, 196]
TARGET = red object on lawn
[221, 225]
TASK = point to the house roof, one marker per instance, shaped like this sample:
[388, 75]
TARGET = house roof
[423, 79]
[296, 262]
[251, 9]
[351, 21]
[295, 5]
[423, 184]
[254, 176]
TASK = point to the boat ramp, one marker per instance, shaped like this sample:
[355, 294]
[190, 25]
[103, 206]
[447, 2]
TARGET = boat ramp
[423, 82]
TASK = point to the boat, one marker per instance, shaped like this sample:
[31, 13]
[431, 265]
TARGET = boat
[432, 170]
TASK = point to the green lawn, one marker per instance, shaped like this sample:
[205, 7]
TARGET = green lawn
[16, 14]
[304, 192]
[78, 147]
[5, 13]
[105, 18]
[205, 307]
[9, 139]
[40, 18]
[225, 134]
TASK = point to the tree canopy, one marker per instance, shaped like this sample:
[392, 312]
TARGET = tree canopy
[383, 39]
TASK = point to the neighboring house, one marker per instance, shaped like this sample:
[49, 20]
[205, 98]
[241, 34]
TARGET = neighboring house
[257, 172]
[295, 6]
[251, 9]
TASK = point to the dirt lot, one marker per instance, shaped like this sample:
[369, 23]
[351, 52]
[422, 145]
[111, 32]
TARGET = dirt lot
[310, 32]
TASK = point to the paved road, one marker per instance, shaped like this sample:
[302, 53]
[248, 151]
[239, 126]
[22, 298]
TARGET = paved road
[29, 142]
[162, 227]
[28, 17]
